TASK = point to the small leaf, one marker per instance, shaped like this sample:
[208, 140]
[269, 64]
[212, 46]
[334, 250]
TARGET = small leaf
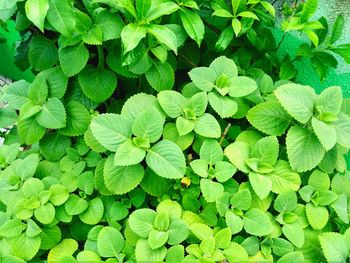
[161, 76]
[149, 125]
[73, 59]
[242, 86]
[157, 239]
[207, 126]
[337, 29]
[325, 133]
[128, 154]
[317, 216]
[36, 11]
[294, 233]
[109, 242]
[164, 35]
[131, 36]
[203, 78]
[193, 25]
[172, 102]
[211, 190]
[52, 114]
[141, 221]
[257, 223]
[261, 184]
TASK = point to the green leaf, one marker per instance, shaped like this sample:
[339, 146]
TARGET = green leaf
[224, 106]
[161, 9]
[164, 35]
[75, 205]
[149, 125]
[143, 250]
[325, 133]
[59, 194]
[269, 117]
[36, 11]
[175, 254]
[241, 200]
[157, 239]
[225, 39]
[329, 101]
[303, 148]
[257, 223]
[32, 229]
[77, 120]
[198, 103]
[30, 131]
[294, 233]
[292, 257]
[66, 247]
[109, 242]
[94, 36]
[7, 117]
[141, 221]
[248, 14]
[16, 94]
[110, 23]
[223, 238]
[172, 102]
[122, 179]
[343, 51]
[53, 146]
[242, 86]
[224, 171]
[317, 216]
[309, 9]
[170, 133]
[73, 58]
[61, 17]
[200, 167]
[201, 231]
[203, 78]
[93, 214]
[12, 228]
[234, 222]
[340, 207]
[193, 25]
[167, 160]
[131, 36]
[236, 26]
[52, 114]
[266, 150]
[268, 7]
[238, 153]
[284, 179]
[42, 53]
[297, 100]
[25, 247]
[184, 126]
[207, 126]
[334, 246]
[97, 84]
[342, 126]
[261, 184]
[286, 202]
[57, 82]
[45, 214]
[236, 253]
[281, 247]
[211, 151]
[161, 76]
[111, 130]
[128, 154]
[7, 9]
[38, 91]
[211, 190]
[178, 231]
[337, 29]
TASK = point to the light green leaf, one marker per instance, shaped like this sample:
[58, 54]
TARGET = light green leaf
[178, 231]
[42, 53]
[167, 160]
[122, 179]
[16, 94]
[242, 199]
[143, 251]
[75, 205]
[211, 151]
[200, 167]
[334, 246]
[268, 7]
[211, 190]
[141, 221]
[261, 184]
[325, 133]
[109, 242]
[319, 180]
[66, 247]
[128, 154]
[242, 86]
[164, 35]
[172, 102]
[170, 133]
[236, 253]
[175, 254]
[224, 66]
[207, 126]
[303, 148]
[248, 14]
[94, 213]
[61, 17]
[266, 150]
[203, 78]
[340, 207]
[36, 11]
[269, 117]
[198, 103]
[201, 231]
[317, 216]
[184, 126]
[149, 125]
[111, 130]
[45, 214]
[25, 247]
[234, 222]
[30, 131]
[257, 223]
[52, 114]
[12, 228]
[294, 233]
[224, 106]
[7, 117]
[285, 202]
[73, 59]
[297, 100]
[329, 101]
[223, 238]
[193, 25]
[284, 179]
[94, 36]
[292, 257]
[238, 153]
[157, 239]
[224, 171]
[131, 36]
[342, 126]
[236, 26]
[110, 23]
[59, 194]
[309, 9]
[161, 9]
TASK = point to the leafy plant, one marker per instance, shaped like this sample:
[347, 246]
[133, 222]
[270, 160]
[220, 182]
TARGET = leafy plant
[148, 135]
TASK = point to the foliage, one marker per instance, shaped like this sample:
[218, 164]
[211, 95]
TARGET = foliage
[140, 141]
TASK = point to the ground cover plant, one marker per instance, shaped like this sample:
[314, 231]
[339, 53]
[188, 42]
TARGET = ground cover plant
[170, 131]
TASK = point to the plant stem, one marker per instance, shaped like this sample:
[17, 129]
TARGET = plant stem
[282, 39]
[101, 57]
[224, 133]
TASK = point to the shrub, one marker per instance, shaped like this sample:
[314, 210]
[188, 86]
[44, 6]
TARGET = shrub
[119, 155]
